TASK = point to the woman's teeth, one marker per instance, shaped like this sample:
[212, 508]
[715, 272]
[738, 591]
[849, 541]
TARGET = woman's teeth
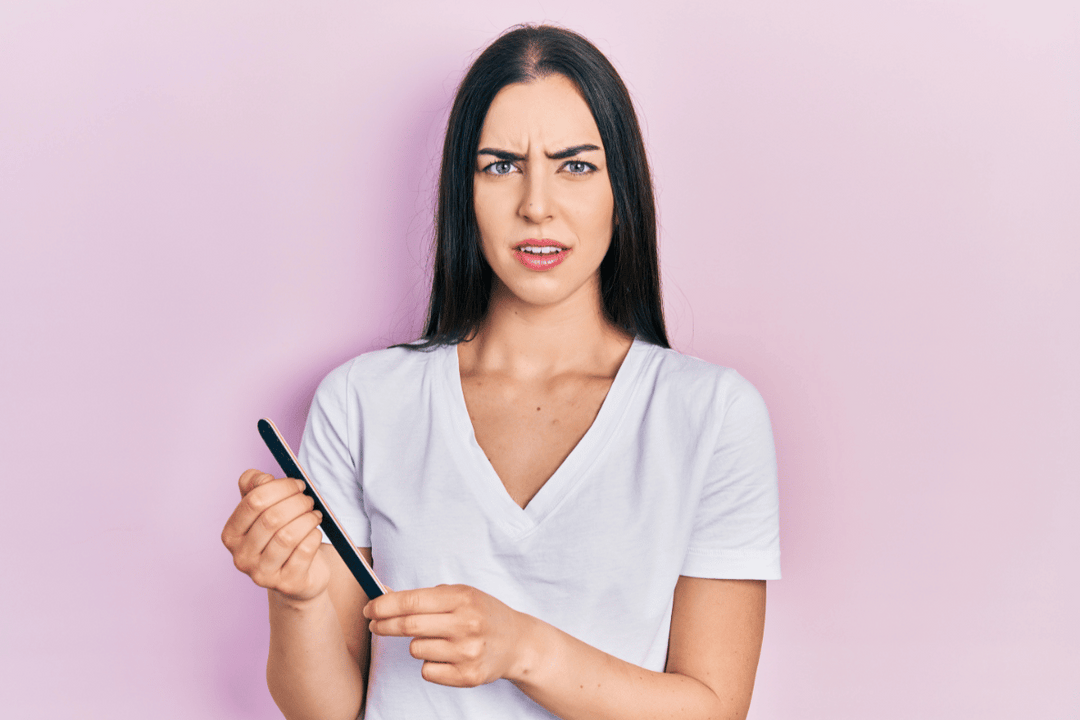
[547, 250]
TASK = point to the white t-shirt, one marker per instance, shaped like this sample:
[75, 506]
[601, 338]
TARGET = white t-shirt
[676, 476]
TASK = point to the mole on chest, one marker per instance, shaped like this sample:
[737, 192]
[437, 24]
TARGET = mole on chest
[526, 438]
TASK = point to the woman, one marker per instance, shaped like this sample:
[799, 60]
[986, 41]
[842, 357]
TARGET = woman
[601, 509]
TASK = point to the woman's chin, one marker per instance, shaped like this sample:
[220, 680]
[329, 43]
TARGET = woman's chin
[547, 292]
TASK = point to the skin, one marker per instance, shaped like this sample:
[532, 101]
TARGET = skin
[540, 366]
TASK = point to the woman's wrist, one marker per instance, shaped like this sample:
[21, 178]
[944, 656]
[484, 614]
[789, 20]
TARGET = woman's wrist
[280, 600]
[534, 648]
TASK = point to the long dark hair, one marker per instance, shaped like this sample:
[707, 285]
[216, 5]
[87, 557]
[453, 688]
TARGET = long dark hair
[630, 272]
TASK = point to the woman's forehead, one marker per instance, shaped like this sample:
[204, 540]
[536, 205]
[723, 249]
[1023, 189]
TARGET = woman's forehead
[546, 114]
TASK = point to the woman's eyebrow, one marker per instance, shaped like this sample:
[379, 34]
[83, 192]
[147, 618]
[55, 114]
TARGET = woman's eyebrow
[501, 154]
[572, 151]
[560, 155]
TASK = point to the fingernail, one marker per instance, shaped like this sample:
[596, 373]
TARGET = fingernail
[301, 485]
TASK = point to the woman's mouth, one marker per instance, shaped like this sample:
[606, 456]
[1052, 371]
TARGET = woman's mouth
[540, 254]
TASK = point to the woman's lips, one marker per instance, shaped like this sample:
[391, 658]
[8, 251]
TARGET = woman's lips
[540, 254]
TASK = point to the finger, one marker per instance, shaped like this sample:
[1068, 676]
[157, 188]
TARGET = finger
[256, 502]
[247, 547]
[437, 650]
[262, 479]
[445, 674]
[442, 599]
[252, 478]
[438, 625]
[308, 548]
[273, 519]
[286, 540]
[295, 573]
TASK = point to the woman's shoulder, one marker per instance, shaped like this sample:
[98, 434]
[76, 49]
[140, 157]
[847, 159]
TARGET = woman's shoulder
[699, 391]
[689, 374]
[392, 369]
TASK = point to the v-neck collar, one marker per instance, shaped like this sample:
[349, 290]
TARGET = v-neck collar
[480, 475]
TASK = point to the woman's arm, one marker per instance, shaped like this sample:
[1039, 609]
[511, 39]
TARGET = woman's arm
[716, 632]
[468, 638]
[318, 640]
[319, 648]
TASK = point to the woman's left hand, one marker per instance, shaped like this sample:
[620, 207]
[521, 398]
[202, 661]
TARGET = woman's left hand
[464, 636]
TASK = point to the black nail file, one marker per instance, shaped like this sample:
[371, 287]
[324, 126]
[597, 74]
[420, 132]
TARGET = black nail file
[354, 560]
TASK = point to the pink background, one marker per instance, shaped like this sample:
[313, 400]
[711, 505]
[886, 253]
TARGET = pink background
[869, 209]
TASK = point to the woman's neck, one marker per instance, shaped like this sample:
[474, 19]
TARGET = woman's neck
[527, 340]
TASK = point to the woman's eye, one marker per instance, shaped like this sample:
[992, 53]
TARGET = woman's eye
[578, 167]
[502, 167]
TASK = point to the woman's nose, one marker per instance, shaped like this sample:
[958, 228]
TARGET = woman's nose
[536, 204]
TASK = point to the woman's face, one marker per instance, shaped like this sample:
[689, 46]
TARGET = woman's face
[542, 196]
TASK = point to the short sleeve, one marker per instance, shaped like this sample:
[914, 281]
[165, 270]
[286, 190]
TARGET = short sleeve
[329, 454]
[736, 533]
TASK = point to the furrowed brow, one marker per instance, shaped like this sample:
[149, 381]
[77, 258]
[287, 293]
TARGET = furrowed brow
[572, 151]
[500, 154]
[560, 155]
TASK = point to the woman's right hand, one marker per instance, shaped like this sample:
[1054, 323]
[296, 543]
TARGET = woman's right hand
[274, 537]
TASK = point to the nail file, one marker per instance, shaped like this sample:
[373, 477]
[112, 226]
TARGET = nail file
[330, 525]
